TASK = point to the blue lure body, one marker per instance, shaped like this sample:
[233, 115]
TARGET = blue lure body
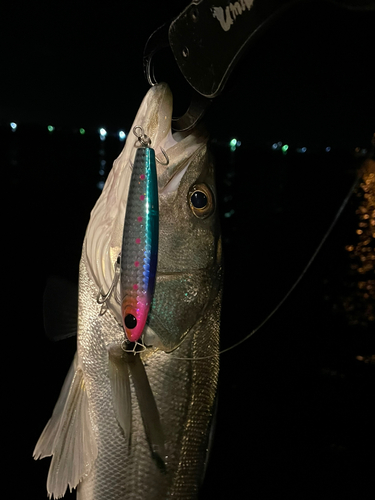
[139, 253]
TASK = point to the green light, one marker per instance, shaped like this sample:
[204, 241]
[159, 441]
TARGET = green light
[233, 143]
[285, 148]
[82, 131]
[51, 128]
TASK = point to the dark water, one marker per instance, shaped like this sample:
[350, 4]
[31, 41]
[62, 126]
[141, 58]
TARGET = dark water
[296, 405]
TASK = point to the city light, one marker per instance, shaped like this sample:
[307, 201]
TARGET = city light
[234, 143]
[229, 214]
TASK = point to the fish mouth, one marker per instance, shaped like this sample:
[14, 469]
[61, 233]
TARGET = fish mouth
[104, 232]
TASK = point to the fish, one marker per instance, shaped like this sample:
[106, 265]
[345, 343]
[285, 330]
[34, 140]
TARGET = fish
[137, 423]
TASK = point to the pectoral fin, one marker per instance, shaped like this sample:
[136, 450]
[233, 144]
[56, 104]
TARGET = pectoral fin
[120, 364]
[69, 437]
[120, 385]
[149, 410]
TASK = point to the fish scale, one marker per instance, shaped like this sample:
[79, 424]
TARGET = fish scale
[119, 473]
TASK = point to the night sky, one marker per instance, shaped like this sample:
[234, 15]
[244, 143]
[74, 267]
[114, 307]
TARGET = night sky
[309, 82]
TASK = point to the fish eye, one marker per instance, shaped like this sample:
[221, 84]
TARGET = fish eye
[130, 321]
[198, 199]
[201, 200]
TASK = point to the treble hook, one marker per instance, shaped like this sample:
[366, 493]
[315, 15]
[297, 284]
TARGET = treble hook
[146, 142]
[137, 348]
[165, 156]
[102, 298]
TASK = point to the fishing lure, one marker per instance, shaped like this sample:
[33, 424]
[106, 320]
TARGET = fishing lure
[135, 267]
[139, 252]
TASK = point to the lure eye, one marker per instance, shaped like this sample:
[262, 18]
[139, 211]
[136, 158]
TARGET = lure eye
[130, 321]
[201, 200]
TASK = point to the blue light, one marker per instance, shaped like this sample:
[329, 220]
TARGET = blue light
[121, 135]
[13, 126]
[102, 133]
[100, 185]
[303, 150]
[275, 145]
[328, 149]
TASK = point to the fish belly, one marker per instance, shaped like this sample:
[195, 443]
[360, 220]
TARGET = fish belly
[184, 392]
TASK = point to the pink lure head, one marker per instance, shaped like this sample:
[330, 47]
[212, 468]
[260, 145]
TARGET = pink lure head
[134, 315]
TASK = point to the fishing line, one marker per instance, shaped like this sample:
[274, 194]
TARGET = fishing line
[343, 205]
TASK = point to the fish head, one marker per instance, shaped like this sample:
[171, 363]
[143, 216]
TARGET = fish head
[189, 255]
[189, 258]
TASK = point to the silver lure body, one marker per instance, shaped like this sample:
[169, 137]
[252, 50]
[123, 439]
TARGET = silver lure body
[89, 448]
